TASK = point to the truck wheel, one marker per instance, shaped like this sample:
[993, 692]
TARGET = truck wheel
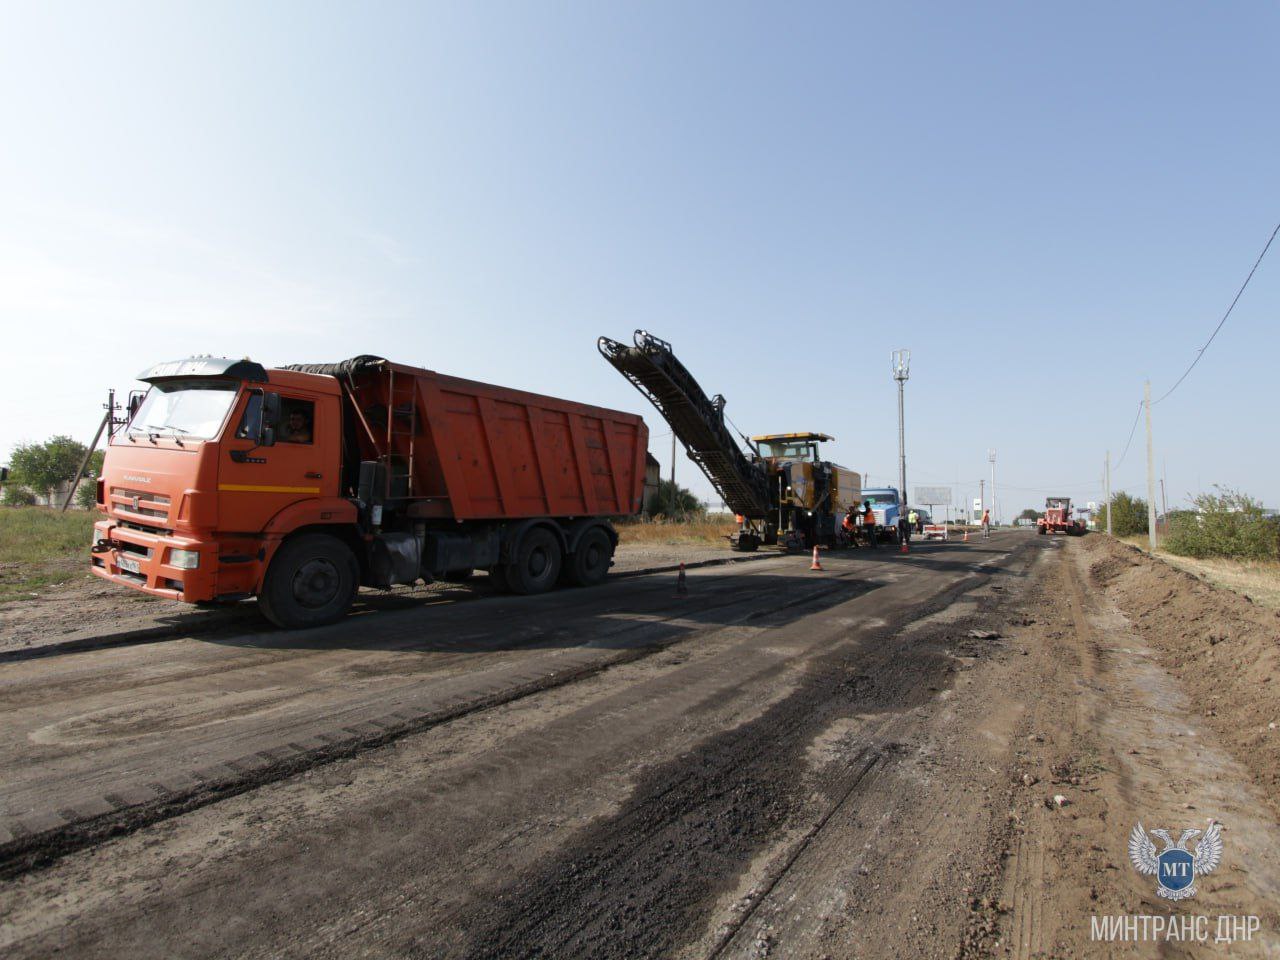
[458, 576]
[537, 562]
[312, 581]
[589, 564]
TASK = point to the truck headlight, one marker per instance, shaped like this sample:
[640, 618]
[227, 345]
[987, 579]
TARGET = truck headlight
[184, 559]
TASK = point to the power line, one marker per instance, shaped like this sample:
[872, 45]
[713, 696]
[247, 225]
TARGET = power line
[1200, 353]
[1136, 417]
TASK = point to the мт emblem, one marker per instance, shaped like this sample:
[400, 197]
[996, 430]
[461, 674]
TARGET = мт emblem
[1175, 867]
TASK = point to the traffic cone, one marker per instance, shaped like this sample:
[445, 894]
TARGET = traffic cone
[682, 588]
[904, 548]
[966, 537]
[816, 565]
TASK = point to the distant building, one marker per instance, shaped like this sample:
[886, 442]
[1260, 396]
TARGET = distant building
[652, 477]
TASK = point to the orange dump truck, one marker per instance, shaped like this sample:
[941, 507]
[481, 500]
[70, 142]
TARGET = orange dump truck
[298, 485]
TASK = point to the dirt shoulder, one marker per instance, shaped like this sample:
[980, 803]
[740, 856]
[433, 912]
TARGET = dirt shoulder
[1118, 734]
[1218, 643]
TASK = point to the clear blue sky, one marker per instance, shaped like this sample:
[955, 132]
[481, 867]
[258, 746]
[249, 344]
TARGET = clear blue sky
[1046, 205]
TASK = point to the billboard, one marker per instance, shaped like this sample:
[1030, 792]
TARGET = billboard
[933, 496]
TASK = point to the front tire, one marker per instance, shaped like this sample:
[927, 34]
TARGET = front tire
[537, 563]
[312, 581]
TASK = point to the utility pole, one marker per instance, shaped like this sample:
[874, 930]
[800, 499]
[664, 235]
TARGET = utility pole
[900, 362]
[1151, 474]
[673, 472]
[982, 494]
[1108, 492]
[991, 455]
[108, 425]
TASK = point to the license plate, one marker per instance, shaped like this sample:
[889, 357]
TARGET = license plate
[128, 565]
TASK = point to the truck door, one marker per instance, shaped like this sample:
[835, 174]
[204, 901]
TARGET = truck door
[255, 483]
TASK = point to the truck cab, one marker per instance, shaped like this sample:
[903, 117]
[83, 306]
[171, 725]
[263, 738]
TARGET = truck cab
[218, 462]
[886, 505]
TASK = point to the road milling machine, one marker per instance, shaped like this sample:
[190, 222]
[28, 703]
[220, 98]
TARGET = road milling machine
[783, 493]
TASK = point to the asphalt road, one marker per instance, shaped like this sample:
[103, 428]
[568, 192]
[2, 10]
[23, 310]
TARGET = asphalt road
[610, 772]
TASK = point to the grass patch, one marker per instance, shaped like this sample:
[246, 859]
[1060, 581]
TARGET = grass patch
[40, 547]
[700, 530]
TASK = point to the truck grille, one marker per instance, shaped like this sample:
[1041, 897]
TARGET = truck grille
[140, 503]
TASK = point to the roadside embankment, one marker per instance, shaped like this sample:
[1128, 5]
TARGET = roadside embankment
[1259, 580]
[1224, 648]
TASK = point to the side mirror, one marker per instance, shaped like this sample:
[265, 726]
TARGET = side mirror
[270, 419]
[135, 401]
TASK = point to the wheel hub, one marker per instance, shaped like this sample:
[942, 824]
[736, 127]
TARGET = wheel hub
[316, 583]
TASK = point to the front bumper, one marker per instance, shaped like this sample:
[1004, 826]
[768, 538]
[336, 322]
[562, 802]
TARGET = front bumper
[141, 560]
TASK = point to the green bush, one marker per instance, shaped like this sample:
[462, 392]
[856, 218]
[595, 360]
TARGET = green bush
[16, 495]
[1227, 523]
[1129, 515]
[672, 500]
[86, 497]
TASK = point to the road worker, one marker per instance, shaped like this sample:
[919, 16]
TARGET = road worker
[986, 524]
[913, 519]
[850, 525]
[869, 525]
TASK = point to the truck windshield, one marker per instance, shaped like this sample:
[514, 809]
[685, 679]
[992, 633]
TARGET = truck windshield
[191, 409]
[880, 499]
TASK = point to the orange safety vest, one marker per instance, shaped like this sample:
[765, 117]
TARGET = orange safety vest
[869, 517]
[986, 516]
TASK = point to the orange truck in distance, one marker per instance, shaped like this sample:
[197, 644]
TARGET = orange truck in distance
[298, 485]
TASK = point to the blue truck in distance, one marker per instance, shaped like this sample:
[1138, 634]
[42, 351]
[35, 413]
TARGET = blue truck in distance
[885, 503]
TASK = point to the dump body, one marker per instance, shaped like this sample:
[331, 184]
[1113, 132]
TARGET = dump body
[297, 485]
[465, 450]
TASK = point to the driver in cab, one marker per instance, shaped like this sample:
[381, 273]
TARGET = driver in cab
[296, 428]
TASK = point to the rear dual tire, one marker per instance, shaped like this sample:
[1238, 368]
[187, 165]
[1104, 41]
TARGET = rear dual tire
[536, 565]
[540, 562]
[588, 565]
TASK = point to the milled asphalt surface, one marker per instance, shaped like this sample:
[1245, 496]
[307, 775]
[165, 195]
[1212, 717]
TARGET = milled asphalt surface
[107, 746]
